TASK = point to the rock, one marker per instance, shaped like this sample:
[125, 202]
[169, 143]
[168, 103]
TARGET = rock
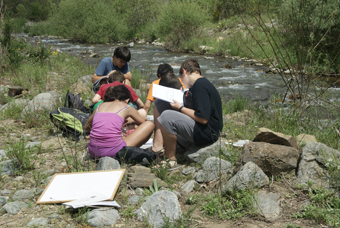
[16, 102]
[227, 66]
[140, 176]
[271, 158]
[211, 169]
[94, 55]
[250, 176]
[315, 158]
[38, 222]
[205, 48]
[130, 45]
[200, 154]
[8, 167]
[134, 199]
[160, 205]
[107, 163]
[188, 170]
[303, 139]
[268, 204]
[5, 193]
[2, 154]
[188, 186]
[269, 136]
[3, 200]
[139, 191]
[52, 144]
[32, 144]
[209, 57]
[177, 194]
[24, 194]
[102, 217]
[80, 87]
[43, 101]
[15, 91]
[14, 207]
[87, 79]
[240, 143]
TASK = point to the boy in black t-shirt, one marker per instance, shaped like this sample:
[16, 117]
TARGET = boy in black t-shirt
[201, 125]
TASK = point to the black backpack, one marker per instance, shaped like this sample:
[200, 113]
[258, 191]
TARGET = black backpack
[74, 101]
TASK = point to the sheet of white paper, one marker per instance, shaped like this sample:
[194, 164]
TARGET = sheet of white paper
[167, 94]
[105, 203]
[87, 200]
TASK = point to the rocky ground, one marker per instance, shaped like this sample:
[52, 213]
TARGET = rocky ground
[274, 168]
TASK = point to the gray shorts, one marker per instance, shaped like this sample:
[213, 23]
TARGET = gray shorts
[178, 124]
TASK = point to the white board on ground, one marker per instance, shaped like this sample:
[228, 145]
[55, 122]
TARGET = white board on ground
[65, 187]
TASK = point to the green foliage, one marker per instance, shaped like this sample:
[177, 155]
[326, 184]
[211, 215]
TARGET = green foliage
[333, 166]
[40, 53]
[154, 189]
[22, 155]
[38, 177]
[179, 21]
[161, 172]
[183, 222]
[88, 21]
[236, 105]
[21, 10]
[37, 11]
[324, 207]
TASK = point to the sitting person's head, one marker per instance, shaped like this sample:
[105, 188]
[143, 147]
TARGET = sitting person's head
[170, 80]
[122, 53]
[163, 69]
[120, 93]
[116, 76]
[191, 66]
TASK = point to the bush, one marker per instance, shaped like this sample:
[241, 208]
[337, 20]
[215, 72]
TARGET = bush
[88, 21]
[179, 21]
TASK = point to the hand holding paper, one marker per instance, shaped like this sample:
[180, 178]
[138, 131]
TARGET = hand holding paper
[167, 94]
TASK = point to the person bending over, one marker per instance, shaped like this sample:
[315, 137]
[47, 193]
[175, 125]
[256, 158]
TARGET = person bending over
[118, 62]
[107, 121]
[202, 124]
[162, 70]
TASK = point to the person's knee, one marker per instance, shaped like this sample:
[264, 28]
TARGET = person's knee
[142, 113]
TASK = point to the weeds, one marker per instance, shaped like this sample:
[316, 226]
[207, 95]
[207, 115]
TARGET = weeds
[154, 189]
[38, 177]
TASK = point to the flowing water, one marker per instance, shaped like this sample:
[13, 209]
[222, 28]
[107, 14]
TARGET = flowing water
[243, 79]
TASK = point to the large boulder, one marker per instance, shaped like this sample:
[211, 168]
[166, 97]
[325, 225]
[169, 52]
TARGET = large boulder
[315, 159]
[271, 158]
[158, 206]
[250, 176]
[269, 136]
[41, 102]
[200, 154]
[212, 168]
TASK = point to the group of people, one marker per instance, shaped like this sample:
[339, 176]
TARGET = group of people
[119, 110]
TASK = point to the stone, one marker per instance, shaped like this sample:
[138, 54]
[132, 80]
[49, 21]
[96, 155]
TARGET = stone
[269, 136]
[200, 154]
[87, 79]
[134, 199]
[268, 204]
[32, 144]
[250, 176]
[303, 139]
[160, 205]
[2, 154]
[271, 158]
[130, 45]
[139, 191]
[16, 102]
[107, 163]
[38, 222]
[5, 193]
[24, 194]
[3, 200]
[211, 169]
[14, 207]
[315, 158]
[178, 194]
[188, 186]
[15, 91]
[94, 55]
[80, 87]
[141, 177]
[43, 101]
[188, 171]
[102, 217]
[8, 167]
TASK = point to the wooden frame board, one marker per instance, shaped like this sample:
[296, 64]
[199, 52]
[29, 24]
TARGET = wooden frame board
[65, 187]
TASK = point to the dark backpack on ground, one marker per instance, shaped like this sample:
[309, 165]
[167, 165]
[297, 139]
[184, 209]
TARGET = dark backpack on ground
[135, 155]
[70, 120]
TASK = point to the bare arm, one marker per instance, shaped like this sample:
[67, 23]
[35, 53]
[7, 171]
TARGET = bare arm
[140, 103]
[96, 99]
[135, 115]
[189, 112]
[88, 124]
[128, 76]
[147, 105]
[96, 77]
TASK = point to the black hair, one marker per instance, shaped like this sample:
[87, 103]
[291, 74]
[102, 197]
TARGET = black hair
[191, 66]
[120, 93]
[170, 80]
[163, 69]
[122, 53]
[116, 76]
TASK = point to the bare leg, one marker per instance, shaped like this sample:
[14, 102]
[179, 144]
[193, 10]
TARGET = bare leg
[141, 135]
[170, 144]
[157, 138]
[142, 113]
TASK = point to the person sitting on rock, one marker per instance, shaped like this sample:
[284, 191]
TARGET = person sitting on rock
[118, 62]
[107, 121]
[202, 124]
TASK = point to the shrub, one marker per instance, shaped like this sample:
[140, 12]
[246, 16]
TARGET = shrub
[22, 155]
[88, 21]
[179, 21]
